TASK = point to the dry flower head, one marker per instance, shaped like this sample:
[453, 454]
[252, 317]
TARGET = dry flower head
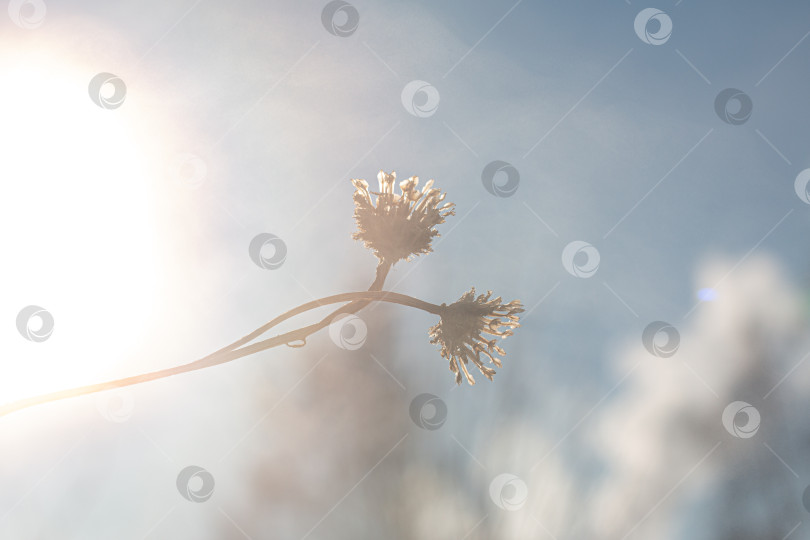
[394, 225]
[459, 332]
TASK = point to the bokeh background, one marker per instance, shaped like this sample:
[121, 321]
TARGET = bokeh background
[657, 388]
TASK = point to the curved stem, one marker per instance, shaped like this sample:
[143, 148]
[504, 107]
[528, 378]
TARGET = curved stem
[352, 307]
[227, 356]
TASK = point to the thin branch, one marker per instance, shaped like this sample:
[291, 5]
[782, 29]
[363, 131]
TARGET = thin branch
[223, 356]
[353, 307]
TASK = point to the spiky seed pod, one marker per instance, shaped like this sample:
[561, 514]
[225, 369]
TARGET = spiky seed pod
[459, 332]
[398, 226]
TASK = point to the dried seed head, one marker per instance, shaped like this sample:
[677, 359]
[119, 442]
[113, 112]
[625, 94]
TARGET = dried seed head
[459, 332]
[398, 225]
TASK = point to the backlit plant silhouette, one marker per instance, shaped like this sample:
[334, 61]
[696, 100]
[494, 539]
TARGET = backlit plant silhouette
[396, 227]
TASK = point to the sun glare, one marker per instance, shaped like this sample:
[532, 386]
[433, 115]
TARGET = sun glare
[79, 235]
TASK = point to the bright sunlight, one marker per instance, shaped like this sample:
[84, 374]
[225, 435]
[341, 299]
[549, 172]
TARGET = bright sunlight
[76, 211]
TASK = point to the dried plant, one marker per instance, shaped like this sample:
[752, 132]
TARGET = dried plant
[400, 226]
[395, 226]
[459, 331]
